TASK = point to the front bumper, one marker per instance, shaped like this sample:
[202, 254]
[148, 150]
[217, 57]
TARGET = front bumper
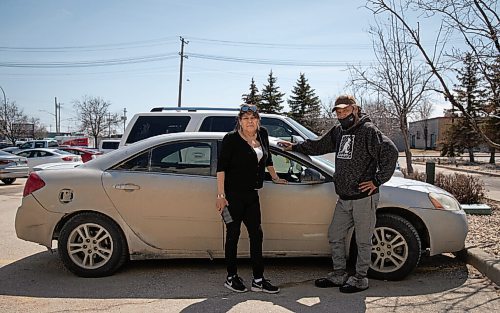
[34, 223]
[447, 230]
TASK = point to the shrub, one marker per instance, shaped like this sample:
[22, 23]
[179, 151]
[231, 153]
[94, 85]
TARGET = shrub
[466, 188]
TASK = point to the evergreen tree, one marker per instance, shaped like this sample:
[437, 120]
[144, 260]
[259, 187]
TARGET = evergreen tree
[470, 94]
[271, 97]
[253, 96]
[305, 106]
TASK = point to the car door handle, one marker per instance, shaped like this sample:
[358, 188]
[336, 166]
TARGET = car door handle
[127, 187]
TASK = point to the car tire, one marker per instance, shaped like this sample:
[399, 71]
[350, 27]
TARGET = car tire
[8, 181]
[92, 245]
[396, 248]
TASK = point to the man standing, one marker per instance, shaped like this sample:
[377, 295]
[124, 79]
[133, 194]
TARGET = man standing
[364, 160]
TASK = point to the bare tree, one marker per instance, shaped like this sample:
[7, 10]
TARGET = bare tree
[477, 22]
[13, 122]
[39, 130]
[424, 111]
[397, 76]
[93, 116]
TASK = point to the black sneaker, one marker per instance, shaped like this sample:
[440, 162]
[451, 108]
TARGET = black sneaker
[265, 286]
[235, 283]
[354, 284]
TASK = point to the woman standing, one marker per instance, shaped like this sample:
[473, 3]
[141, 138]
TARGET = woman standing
[240, 173]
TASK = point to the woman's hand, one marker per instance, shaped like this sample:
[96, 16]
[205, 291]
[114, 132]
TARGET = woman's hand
[280, 181]
[220, 204]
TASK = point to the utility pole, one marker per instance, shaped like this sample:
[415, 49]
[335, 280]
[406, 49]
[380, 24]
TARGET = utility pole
[179, 99]
[57, 120]
[109, 125]
[124, 119]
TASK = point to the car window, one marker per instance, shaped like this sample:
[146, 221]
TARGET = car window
[110, 144]
[40, 154]
[218, 124]
[25, 154]
[138, 163]
[53, 144]
[25, 145]
[149, 126]
[278, 128]
[290, 169]
[192, 158]
[39, 144]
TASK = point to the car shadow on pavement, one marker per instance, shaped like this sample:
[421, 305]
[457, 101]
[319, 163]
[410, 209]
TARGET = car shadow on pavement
[42, 275]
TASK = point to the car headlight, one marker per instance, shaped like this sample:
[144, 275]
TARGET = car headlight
[444, 202]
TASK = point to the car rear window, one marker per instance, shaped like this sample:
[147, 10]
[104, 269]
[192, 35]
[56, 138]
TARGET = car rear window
[149, 126]
[218, 124]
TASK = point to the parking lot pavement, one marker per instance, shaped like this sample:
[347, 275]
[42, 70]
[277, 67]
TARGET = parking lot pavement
[33, 279]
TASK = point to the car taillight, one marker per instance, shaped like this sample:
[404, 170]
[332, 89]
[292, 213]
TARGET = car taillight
[33, 183]
[67, 158]
[3, 162]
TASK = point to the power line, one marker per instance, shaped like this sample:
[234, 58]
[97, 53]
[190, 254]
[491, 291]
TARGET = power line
[131, 60]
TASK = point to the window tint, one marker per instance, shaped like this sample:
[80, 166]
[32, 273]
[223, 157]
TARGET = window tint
[39, 144]
[137, 163]
[149, 126]
[192, 158]
[25, 154]
[53, 144]
[25, 145]
[218, 124]
[40, 154]
[277, 128]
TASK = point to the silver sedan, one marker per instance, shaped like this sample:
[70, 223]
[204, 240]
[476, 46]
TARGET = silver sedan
[12, 167]
[155, 199]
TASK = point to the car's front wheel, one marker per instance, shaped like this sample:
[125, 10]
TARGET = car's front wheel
[8, 181]
[396, 248]
[92, 245]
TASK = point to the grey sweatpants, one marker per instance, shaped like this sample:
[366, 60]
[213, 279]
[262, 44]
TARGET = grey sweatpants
[360, 214]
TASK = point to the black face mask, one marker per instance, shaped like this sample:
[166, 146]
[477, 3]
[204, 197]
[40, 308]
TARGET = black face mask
[347, 122]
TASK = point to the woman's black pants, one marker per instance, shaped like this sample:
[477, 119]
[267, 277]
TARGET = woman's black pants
[244, 207]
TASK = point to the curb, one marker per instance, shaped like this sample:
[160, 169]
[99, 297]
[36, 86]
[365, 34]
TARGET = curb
[487, 264]
[458, 169]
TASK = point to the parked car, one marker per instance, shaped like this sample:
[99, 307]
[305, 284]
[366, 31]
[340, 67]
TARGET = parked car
[12, 167]
[41, 156]
[165, 120]
[86, 154]
[155, 199]
[43, 143]
[108, 145]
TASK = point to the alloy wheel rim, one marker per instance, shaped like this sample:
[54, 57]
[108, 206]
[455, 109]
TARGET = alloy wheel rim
[389, 250]
[90, 246]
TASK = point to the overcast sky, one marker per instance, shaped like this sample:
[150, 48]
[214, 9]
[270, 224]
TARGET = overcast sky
[126, 52]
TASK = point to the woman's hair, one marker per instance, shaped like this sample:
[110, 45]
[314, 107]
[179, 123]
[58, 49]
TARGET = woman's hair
[242, 112]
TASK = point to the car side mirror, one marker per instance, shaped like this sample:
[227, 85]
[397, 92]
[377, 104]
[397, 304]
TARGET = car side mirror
[312, 176]
[297, 139]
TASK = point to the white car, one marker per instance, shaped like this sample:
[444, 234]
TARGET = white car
[155, 199]
[44, 155]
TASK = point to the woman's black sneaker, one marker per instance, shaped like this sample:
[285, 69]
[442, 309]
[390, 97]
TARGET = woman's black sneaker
[265, 286]
[235, 283]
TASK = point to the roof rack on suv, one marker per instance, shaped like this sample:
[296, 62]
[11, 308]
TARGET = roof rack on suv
[190, 109]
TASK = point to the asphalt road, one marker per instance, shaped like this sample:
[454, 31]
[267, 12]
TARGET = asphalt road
[34, 280]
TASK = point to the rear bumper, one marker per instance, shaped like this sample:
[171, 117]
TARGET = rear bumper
[34, 223]
[14, 172]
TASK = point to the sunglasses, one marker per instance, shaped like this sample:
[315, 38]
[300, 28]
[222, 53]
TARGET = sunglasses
[248, 108]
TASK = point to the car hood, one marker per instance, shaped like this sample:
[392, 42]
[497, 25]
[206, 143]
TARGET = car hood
[416, 185]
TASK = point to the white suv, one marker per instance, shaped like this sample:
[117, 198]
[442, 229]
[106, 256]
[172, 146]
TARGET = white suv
[190, 119]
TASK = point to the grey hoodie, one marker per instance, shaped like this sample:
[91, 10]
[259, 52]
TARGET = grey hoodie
[363, 153]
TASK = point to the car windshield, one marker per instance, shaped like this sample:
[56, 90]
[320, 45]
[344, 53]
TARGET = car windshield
[302, 128]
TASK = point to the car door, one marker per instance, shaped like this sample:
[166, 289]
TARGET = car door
[296, 216]
[166, 195]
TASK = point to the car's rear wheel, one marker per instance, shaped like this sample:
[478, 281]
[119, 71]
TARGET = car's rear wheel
[92, 245]
[8, 181]
[396, 248]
